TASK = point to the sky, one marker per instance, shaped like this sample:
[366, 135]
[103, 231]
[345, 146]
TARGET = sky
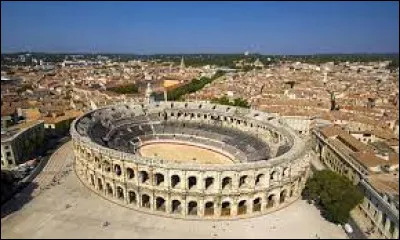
[200, 27]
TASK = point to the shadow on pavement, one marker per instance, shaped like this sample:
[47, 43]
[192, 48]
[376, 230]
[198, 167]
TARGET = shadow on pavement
[17, 201]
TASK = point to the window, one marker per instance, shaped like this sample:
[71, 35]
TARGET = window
[8, 154]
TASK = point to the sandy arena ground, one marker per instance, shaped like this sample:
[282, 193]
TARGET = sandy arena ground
[68, 210]
[183, 153]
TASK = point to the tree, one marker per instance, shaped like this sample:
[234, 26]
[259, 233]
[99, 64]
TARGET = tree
[334, 193]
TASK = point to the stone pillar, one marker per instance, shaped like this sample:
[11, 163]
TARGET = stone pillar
[379, 217]
[387, 226]
[234, 207]
[200, 207]
[396, 232]
[168, 204]
[217, 208]
[184, 207]
[263, 204]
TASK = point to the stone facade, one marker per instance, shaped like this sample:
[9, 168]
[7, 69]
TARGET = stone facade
[196, 191]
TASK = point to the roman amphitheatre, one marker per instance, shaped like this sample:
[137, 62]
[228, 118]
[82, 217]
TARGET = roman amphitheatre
[189, 160]
[173, 170]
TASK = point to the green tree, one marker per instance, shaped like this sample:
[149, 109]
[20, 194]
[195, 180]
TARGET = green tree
[334, 193]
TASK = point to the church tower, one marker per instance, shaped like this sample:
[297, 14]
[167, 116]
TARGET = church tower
[182, 67]
[148, 93]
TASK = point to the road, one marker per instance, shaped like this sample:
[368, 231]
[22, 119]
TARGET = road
[58, 165]
[54, 168]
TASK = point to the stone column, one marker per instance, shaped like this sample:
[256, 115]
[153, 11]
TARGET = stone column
[387, 226]
[168, 204]
[234, 207]
[200, 207]
[396, 232]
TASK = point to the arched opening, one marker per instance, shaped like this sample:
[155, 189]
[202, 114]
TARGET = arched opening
[145, 201]
[243, 181]
[143, 176]
[192, 181]
[209, 183]
[192, 208]
[175, 180]
[109, 189]
[209, 209]
[159, 179]
[242, 207]
[273, 176]
[282, 196]
[226, 209]
[130, 173]
[160, 204]
[271, 201]
[107, 166]
[97, 162]
[285, 172]
[120, 193]
[227, 183]
[260, 180]
[132, 197]
[257, 205]
[176, 206]
[117, 170]
[100, 184]
[292, 189]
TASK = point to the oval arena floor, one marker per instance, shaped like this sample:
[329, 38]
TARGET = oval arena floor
[183, 153]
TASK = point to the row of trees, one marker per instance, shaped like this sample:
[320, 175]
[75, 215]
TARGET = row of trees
[125, 89]
[195, 85]
[333, 193]
[238, 102]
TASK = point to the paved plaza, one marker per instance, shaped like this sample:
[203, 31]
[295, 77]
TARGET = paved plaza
[66, 209]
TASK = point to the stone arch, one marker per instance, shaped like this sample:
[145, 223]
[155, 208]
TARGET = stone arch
[100, 184]
[176, 206]
[260, 180]
[175, 180]
[117, 169]
[257, 205]
[143, 176]
[120, 193]
[192, 208]
[145, 201]
[209, 209]
[192, 182]
[97, 161]
[285, 172]
[132, 197]
[226, 208]
[160, 204]
[227, 183]
[107, 166]
[242, 207]
[243, 181]
[130, 173]
[109, 189]
[282, 196]
[209, 182]
[292, 190]
[158, 179]
[271, 201]
[273, 175]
